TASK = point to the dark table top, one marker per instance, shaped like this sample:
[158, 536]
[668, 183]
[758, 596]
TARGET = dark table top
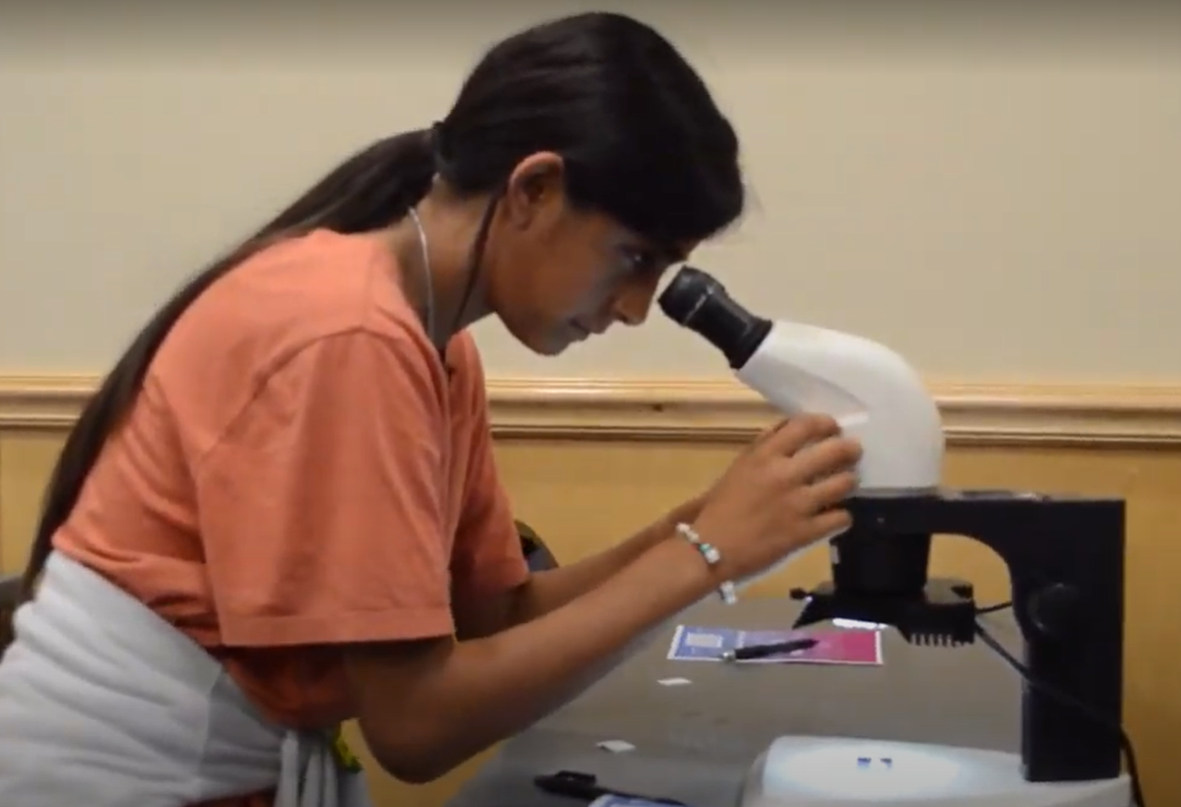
[696, 742]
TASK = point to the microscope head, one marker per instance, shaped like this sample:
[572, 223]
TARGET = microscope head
[879, 575]
[874, 394]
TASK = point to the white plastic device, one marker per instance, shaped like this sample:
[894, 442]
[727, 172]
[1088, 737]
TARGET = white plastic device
[874, 394]
[872, 391]
[803, 771]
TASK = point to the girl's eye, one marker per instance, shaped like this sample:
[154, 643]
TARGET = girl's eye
[639, 261]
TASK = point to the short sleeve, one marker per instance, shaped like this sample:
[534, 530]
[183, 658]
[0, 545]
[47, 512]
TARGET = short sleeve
[488, 557]
[322, 508]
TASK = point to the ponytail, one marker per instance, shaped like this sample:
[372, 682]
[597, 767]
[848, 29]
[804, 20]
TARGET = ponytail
[368, 191]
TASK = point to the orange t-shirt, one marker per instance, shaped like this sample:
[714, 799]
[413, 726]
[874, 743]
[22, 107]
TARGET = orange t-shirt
[302, 469]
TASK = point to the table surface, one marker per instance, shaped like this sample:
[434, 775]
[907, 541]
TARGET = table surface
[696, 742]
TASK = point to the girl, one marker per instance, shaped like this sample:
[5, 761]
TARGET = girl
[281, 510]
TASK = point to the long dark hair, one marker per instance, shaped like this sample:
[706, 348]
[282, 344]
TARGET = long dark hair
[640, 135]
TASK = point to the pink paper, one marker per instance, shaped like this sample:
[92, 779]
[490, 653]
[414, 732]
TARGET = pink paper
[834, 645]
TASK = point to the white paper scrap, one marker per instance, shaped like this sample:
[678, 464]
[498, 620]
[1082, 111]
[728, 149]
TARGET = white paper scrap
[616, 746]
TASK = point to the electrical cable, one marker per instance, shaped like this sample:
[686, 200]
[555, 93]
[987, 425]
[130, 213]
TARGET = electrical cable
[1074, 703]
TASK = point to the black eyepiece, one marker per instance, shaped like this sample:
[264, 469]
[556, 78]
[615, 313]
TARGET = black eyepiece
[698, 301]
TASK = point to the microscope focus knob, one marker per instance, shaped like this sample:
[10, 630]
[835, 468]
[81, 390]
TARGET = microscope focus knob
[1056, 611]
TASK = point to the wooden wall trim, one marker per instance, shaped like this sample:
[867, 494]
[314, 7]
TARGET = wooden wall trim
[704, 411]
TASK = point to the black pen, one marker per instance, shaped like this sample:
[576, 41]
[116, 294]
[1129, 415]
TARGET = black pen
[585, 787]
[773, 649]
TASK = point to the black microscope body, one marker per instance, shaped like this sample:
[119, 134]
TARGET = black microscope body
[1065, 558]
[1065, 561]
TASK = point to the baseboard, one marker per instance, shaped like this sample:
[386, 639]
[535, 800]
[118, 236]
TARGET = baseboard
[631, 409]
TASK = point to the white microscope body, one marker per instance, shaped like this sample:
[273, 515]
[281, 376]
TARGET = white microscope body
[880, 399]
[871, 391]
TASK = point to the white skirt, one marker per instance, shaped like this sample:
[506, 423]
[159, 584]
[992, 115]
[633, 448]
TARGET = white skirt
[104, 704]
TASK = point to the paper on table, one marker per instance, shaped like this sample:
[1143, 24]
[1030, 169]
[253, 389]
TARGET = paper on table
[834, 645]
[612, 800]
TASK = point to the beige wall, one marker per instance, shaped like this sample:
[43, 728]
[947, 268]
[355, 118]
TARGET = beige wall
[652, 447]
[1009, 178]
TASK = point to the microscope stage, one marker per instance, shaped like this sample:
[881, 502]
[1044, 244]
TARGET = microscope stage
[801, 771]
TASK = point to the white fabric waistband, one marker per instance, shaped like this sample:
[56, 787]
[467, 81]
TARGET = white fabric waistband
[104, 703]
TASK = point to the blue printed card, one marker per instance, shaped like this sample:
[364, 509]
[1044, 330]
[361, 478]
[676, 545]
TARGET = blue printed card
[702, 644]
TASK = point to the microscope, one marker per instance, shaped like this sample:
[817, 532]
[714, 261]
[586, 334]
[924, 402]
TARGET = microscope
[1065, 558]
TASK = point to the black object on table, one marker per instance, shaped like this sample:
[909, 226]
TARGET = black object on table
[695, 743]
[765, 650]
[586, 787]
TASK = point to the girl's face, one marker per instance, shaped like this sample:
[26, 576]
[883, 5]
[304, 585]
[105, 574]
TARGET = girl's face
[560, 274]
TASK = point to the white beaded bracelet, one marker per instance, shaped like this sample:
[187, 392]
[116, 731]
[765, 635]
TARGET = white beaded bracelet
[712, 556]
